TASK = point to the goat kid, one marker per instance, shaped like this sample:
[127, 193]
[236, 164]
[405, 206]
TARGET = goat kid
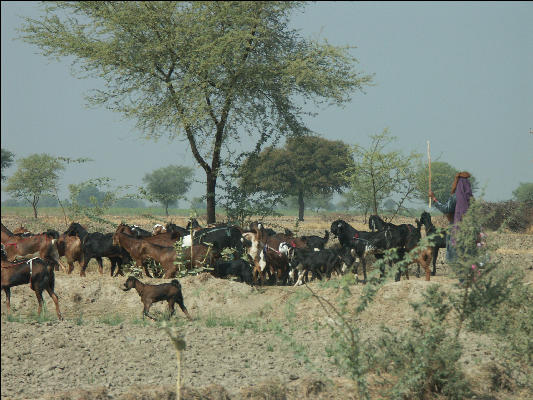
[171, 292]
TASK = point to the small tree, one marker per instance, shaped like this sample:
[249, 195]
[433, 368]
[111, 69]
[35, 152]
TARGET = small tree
[524, 192]
[167, 185]
[377, 174]
[305, 167]
[7, 160]
[36, 175]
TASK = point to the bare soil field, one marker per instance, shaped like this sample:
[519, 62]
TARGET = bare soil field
[243, 342]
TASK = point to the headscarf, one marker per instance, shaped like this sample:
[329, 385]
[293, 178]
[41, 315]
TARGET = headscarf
[463, 193]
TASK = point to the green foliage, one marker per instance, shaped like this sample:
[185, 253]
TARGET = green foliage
[305, 167]
[183, 263]
[378, 174]
[442, 177]
[6, 161]
[167, 185]
[240, 204]
[315, 203]
[36, 175]
[524, 192]
[98, 206]
[423, 359]
[197, 203]
[128, 202]
[90, 196]
[204, 70]
[513, 215]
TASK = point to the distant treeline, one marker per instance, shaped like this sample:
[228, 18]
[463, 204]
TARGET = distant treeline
[51, 201]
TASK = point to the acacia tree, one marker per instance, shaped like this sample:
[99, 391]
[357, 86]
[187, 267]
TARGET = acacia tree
[7, 160]
[35, 176]
[305, 167]
[167, 185]
[204, 70]
[378, 174]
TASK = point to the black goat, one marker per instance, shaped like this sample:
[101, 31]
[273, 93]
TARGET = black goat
[240, 268]
[170, 227]
[170, 292]
[400, 233]
[36, 272]
[439, 241]
[316, 242]
[139, 232]
[323, 262]
[364, 243]
[97, 245]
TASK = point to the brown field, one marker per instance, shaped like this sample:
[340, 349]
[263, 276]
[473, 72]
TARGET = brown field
[265, 343]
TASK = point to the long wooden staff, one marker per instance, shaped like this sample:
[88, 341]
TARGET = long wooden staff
[429, 168]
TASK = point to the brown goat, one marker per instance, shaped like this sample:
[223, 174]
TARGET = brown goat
[6, 233]
[36, 272]
[422, 256]
[134, 246]
[269, 257]
[70, 247]
[25, 245]
[167, 256]
[171, 292]
[162, 239]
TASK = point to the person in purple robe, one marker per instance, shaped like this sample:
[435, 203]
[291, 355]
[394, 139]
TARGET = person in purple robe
[455, 208]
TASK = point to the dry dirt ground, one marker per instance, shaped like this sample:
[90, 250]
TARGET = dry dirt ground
[243, 342]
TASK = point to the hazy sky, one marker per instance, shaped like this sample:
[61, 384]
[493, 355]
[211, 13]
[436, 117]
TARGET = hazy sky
[457, 74]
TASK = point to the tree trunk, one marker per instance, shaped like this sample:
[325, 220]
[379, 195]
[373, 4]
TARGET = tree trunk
[301, 205]
[166, 209]
[34, 205]
[210, 193]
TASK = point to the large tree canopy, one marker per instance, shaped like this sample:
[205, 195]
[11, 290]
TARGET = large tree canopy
[204, 70]
[305, 167]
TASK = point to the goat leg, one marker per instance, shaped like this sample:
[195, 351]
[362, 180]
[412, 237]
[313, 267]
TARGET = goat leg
[56, 302]
[435, 255]
[39, 295]
[8, 299]
[100, 265]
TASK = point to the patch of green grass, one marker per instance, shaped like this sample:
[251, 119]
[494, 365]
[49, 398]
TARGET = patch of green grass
[112, 319]
[140, 321]
[79, 319]
[40, 318]
[14, 318]
[213, 320]
[270, 348]
[339, 282]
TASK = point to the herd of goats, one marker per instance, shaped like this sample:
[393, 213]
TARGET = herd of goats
[260, 254]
